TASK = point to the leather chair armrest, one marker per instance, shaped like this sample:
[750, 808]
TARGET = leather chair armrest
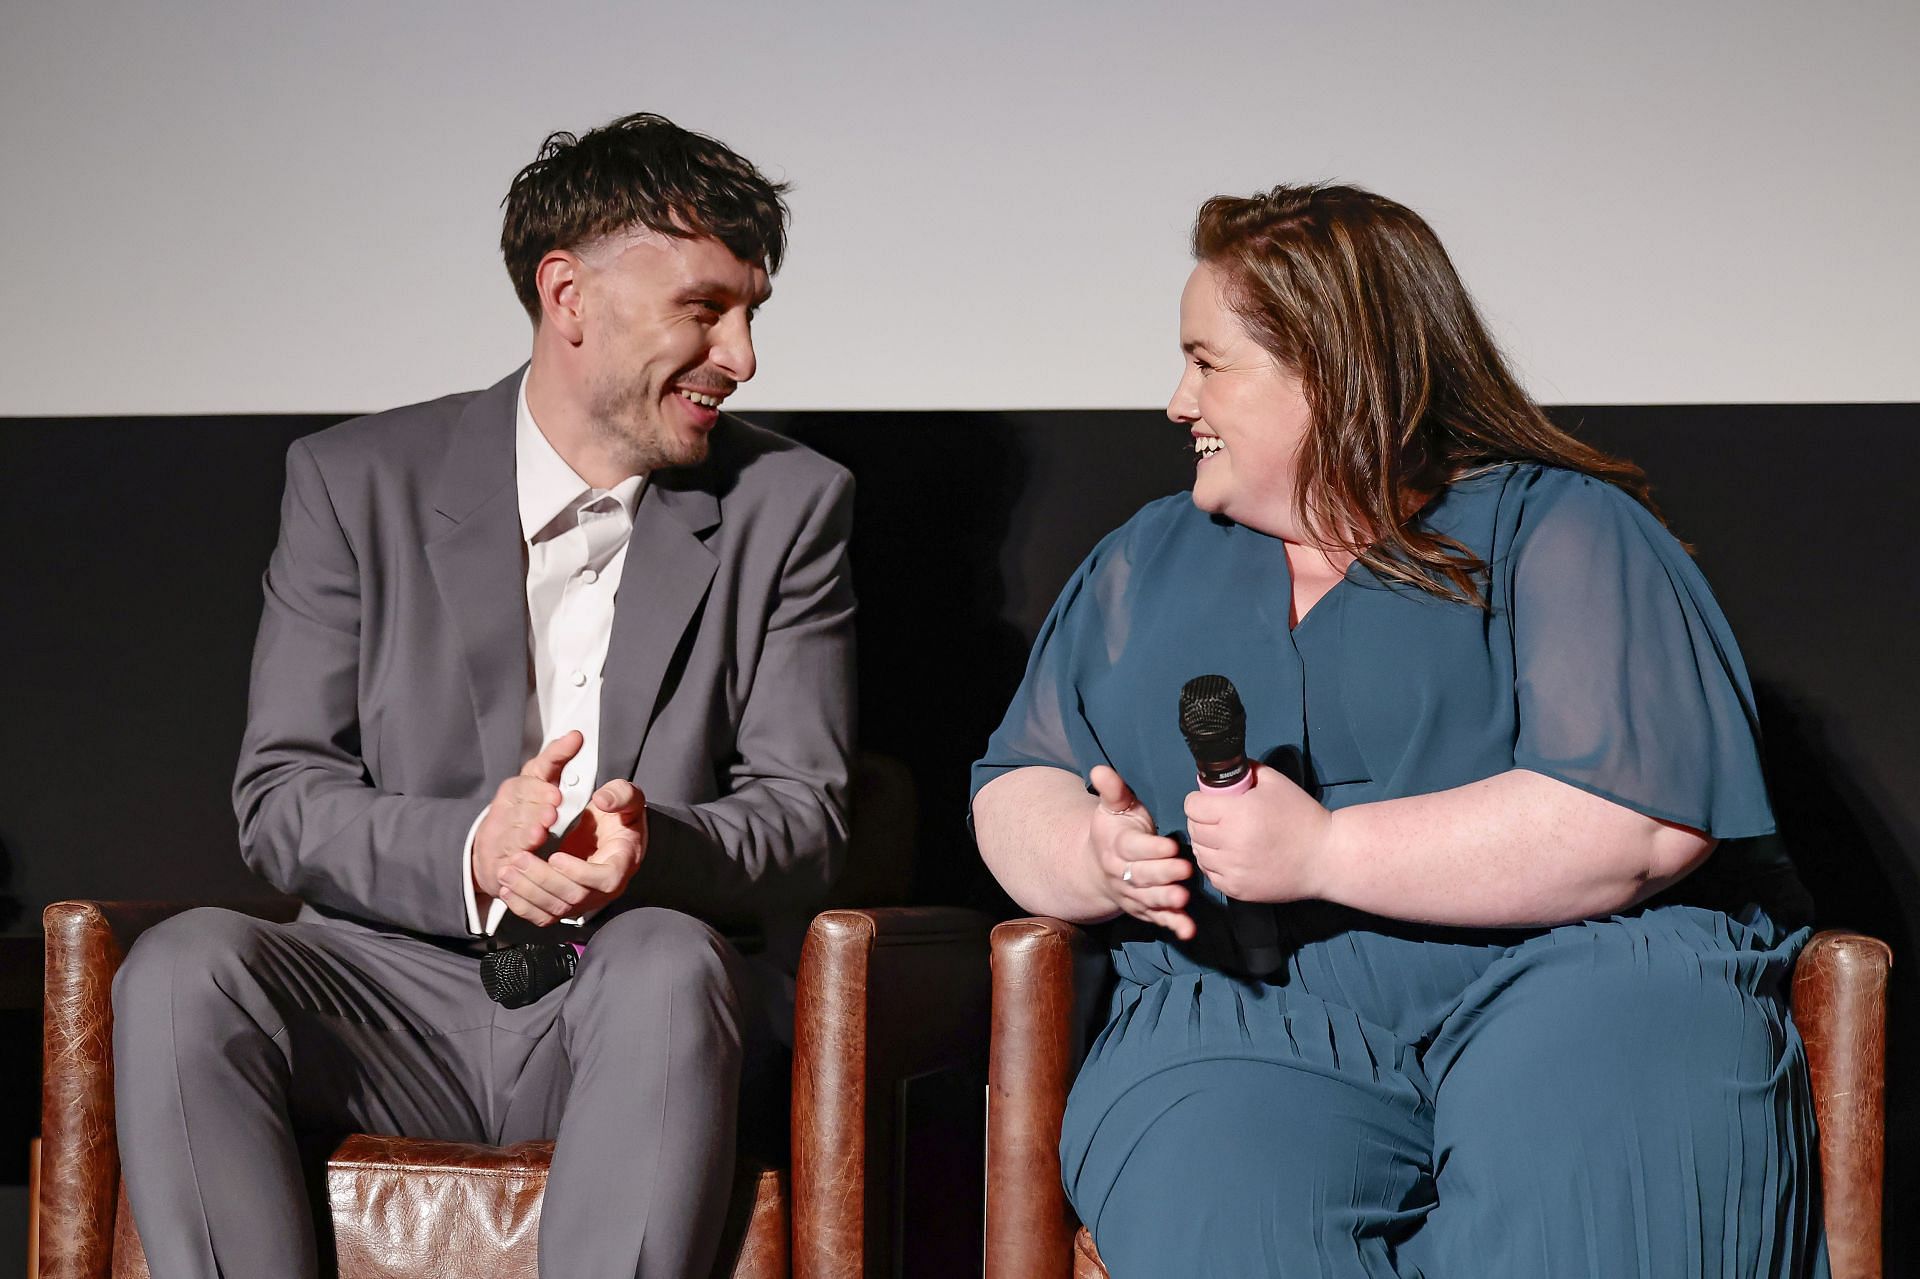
[882, 995]
[1840, 1006]
[1030, 1066]
[79, 1162]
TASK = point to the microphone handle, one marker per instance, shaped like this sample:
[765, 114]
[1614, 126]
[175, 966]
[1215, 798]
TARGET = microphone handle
[1256, 935]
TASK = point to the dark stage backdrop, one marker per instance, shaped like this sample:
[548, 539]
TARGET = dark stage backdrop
[131, 590]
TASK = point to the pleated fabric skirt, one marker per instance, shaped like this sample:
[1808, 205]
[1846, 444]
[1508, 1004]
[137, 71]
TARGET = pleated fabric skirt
[1623, 1098]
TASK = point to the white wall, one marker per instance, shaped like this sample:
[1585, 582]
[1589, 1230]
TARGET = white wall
[252, 205]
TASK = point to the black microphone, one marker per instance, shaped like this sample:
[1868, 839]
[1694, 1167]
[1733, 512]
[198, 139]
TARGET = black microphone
[515, 976]
[1215, 725]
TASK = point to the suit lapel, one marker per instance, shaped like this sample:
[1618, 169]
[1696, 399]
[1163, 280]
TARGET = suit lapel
[662, 586]
[479, 566]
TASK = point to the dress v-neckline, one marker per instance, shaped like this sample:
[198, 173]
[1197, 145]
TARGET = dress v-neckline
[1294, 623]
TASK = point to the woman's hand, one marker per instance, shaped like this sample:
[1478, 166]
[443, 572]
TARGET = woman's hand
[1140, 872]
[1265, 844]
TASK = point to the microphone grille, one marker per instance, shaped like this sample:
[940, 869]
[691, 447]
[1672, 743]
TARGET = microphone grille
[506, 975]
[518, 975]
[1211, 713]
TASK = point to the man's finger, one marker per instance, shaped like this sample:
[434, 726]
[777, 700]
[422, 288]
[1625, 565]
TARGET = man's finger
[534, 813]
[541, 872]
[553, 756]
[523, 788]
[623, 849]
[619, 797]
[538, 885]
[527, 835]
[596, 876]
[524, 909]
[531, 792]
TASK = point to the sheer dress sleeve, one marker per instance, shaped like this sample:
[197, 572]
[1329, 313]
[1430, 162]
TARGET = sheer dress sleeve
[1046, 724]
[1628, 681]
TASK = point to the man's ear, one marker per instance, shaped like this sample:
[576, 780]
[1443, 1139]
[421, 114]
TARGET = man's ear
[557, 282]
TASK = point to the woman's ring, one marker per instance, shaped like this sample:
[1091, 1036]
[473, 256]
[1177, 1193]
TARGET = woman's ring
[1126, 876]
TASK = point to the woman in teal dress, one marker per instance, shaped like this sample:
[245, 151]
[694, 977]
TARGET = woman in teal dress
[1526, 1019]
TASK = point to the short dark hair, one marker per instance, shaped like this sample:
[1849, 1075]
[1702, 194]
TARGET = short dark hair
[641, 170]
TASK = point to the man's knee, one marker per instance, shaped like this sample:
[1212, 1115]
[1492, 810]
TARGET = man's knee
[648, 960]
[190, 965]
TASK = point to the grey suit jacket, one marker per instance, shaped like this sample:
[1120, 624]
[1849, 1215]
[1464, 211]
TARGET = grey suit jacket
[390, 677]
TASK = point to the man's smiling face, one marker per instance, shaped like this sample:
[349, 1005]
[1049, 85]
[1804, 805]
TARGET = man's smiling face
[667, 335]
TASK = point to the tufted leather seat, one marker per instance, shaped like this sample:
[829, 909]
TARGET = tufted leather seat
[400, 1208]
[1045, 975]
[397, 1208]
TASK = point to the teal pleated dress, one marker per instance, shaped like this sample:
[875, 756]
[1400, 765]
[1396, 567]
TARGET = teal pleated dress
[1618, 1097]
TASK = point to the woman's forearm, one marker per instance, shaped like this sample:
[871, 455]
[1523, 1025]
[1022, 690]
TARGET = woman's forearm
[1519, 848]
[1032, 825]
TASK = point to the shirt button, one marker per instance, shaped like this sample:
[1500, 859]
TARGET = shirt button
[588, 576]
[579, 678]
[571, 779]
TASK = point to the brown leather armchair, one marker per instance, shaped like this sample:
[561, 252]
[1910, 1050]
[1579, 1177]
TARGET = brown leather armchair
[1045, 978]
[408, 1209]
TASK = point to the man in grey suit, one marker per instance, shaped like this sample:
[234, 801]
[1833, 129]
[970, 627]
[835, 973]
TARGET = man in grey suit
[573, 648]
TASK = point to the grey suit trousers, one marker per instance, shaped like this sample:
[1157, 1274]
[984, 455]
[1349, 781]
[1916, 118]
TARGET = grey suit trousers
[231, 1035]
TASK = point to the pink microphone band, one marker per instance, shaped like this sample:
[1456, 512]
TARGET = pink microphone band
[1245, 783]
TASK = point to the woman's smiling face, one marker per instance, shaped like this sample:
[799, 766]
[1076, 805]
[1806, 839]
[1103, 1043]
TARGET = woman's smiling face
[1247, 412]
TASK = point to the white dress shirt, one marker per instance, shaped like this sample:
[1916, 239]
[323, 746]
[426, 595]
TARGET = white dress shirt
[576, 538]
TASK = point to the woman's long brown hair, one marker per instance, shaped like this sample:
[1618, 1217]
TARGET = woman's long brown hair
[1355, 295]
